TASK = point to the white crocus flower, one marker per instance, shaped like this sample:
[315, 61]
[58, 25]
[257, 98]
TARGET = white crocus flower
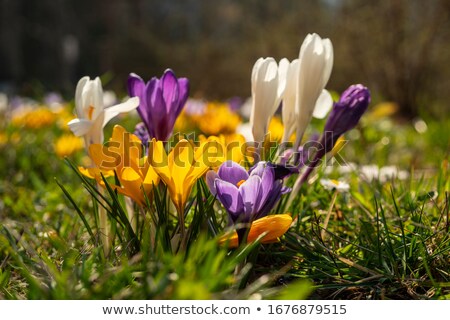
[91, 112]
[268, 84]
[314, 70]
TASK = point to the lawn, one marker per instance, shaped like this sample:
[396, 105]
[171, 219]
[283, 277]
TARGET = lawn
[372, 222]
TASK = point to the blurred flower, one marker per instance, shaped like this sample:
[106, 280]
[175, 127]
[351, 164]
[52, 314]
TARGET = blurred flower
[388, 173]
[161, 101]
[271, 228]
[216, 119]
[384, 109]
[420, 126]
[3, 139]
[91, 112]
[275, 130]
[369, 172]
[67, 145]
[123, 156]
[331, 184]
[314, 69]
[181, 168]
[246, 196]
[347, 168]
[268, 84]
[195, 107]
[33, 118]
[141, 132]
[235, 103]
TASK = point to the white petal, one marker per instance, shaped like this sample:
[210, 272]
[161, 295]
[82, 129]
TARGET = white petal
[323, 105]
[329, 58]
[283, 68]
[264, 94]
[78, 96]
[80, 127]
[97, 93]
[246, 130]
[127, 106]
[255, 71]
[289, 100]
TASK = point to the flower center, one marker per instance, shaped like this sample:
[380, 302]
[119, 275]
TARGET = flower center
[239, 183]
[335, 182]
[90, 112]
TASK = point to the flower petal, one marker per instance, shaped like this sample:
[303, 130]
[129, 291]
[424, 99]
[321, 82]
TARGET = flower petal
[80, 127]
[323, 105]
[127, 106]
[232, 172]
[211, 177]
[250, 193]
[229, 196]
[271, 227]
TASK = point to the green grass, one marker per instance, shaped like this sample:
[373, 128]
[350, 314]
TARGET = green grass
[385, 240]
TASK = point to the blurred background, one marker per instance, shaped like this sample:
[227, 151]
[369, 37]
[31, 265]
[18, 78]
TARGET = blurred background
[398, 48]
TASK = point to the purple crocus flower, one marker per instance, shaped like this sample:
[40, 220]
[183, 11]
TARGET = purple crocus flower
[247, 196]
[344, 116]
[160, 101]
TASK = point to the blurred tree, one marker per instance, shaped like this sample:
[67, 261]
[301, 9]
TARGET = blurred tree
[399, 48]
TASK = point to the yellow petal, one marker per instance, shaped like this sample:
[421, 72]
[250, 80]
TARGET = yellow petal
[105, 159]
[131, 184]
[273, 227]
[95, 173]
[180, 161]
[157, 157]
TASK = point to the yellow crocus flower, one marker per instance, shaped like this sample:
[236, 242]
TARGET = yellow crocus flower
[271, 227]
[183, 166]
[123, 155]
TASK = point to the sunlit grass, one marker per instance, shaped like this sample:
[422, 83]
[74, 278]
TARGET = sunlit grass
[384, 239]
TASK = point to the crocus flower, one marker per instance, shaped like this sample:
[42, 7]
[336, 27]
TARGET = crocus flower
[246, 196]
[270, 228]
[343, 117]
[91, 112]
[123, 155]
[161, 101]
[268, 84]
[181, 168]
[314, 70]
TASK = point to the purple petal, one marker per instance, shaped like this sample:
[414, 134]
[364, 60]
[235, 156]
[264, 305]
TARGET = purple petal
[232, 172]
[169, 86]
[229, 196]
[135, 85]
[250, 191]
[272, 199]
[183, 93]
[267, 184]
[211, 176]
[258, 169]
